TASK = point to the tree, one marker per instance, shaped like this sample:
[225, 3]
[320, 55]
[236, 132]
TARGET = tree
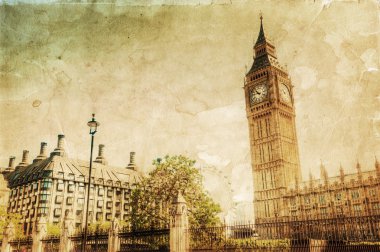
[6, 218]
[152, 198]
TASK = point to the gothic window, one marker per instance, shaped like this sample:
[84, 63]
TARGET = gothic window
[293, 201]
[99, 216]
[357, 209]
[324, 210]
[376, 208]
[372, 192]
[338, 196]
[355, 194]
[322, 199]
[307, 199]
[339, 210]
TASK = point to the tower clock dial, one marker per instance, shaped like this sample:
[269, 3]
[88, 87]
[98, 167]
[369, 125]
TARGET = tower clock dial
[285, 94]
[258, 94]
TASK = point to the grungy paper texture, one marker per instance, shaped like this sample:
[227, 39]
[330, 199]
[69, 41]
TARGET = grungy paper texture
[167, 79]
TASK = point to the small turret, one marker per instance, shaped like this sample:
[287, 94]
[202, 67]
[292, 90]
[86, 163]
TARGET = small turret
[324, 175]
[311, 181]
[377, 166]
[359, 171]
[341, 174]
[297, 183]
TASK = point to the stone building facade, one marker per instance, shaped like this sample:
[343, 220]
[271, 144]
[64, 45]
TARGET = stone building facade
[278, 191]
[345, 195]
[53, 185]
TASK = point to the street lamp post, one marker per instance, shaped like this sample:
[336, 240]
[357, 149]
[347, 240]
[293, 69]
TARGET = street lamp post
[93, 129]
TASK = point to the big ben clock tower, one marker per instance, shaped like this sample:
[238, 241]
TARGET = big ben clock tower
[271, 120]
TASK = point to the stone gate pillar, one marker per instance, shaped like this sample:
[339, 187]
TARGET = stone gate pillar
[67, 230]
[9, 234]
[113, 237]
[39, 232]
[179, 225]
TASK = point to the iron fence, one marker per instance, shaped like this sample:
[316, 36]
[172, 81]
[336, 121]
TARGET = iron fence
[144, 240]
[333, 234]
[51, 243]
[21, 244]
[96, 241]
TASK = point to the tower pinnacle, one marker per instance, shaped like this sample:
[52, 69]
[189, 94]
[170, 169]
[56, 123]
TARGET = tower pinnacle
[261, 37]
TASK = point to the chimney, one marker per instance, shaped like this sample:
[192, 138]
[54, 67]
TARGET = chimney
[59, 151]
[24, 162]
[132, 164]
[42, 155]
[100, 158]
[11, 165]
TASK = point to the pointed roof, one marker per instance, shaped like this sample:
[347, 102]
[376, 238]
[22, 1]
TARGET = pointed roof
[263, 58]
[179, 198]
[261, 38]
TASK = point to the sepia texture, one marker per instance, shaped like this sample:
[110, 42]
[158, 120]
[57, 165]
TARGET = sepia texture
[167, 77]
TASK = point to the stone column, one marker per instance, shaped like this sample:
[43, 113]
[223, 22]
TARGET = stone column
[179, 225]
[113, 237]
[39, 232]
[67, 230]
[9, 234]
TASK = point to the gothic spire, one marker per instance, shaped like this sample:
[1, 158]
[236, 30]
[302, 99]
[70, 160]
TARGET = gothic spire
[261, 37]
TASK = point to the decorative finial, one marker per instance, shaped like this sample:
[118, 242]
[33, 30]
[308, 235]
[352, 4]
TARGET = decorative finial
[93, 115]
[261, 16]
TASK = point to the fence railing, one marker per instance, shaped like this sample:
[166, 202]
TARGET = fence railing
[51, 243]
[96, 241]
[321, 234]
[22, 244]
[144, 240]
[347, 234]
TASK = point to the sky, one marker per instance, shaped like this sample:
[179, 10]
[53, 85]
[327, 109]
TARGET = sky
[166, 77]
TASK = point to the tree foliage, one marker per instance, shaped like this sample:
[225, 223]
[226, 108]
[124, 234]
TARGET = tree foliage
[14, 218]
[152, 198]
[53, 229]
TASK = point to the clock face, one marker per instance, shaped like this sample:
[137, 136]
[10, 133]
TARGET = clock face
[285, 94]
[258, 93]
